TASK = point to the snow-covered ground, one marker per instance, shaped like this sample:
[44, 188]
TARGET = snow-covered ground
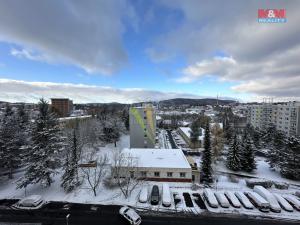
[224, 181]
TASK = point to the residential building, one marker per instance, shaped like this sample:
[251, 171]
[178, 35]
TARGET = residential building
[142, 127]
[167, 165]
[284, 116]
[62, 106]
[185, 133]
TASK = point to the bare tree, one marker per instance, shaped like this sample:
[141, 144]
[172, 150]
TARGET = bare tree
[95, 175]
[125, 172]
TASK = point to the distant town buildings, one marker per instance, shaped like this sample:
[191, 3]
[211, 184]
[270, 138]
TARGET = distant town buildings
[62, 106]
[142, 126]
[284, 116]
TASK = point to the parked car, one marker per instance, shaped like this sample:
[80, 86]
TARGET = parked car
[155, 195]
[31, 202]
[274, 205]
[209, 196]
[143, 198]
[257, 200]
[233, 199]
[293, 201]
[130, 215]
[244, 200]
[221, 198]
[166, 195]
[283, 203]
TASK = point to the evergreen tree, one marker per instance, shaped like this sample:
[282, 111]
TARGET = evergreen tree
[274, 153]
[70, 178]
[111, 132]
[44, 150]
[9, 142]
[206, 170]
[233, 156]
[268, 136]
[290, 163]
[247, 155]
[194, 133]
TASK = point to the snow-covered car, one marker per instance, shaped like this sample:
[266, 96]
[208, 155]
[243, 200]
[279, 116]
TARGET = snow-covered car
[293, 201]
[130, 215]
[166, 195]
[283, 203]
[244, 200]
[143, 197]
[274, 205]
[210, 198]
[30, 202]
[221, 198]
[257, 200]
[233, 199]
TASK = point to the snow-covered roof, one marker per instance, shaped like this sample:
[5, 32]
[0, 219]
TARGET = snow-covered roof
[159, 158]
[186, 131]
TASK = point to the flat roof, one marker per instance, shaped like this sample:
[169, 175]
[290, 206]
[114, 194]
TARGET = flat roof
[159, 158]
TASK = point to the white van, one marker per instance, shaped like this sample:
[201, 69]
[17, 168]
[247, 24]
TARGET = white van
[233, 199]
[284, 203]
[293, 201]
[274, 205]
[143, 198]
[221, 198]
[257, 200]
[209, 196]
[244, 200]
[166, 195]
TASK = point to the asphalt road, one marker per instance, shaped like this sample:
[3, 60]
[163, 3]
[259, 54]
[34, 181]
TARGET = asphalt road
[83, 214]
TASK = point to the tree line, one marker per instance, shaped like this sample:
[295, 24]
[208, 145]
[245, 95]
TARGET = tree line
[41, 146]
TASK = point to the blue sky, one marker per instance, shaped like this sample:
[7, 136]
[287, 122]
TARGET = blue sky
[162, 49]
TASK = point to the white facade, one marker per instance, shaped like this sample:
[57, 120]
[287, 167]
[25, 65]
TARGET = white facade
[285, 116]
[168, 165]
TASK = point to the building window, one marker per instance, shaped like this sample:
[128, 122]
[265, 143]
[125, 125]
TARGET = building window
[182, 174]
[143, 173]
[156, 174]
[169, 174]
[145, 135]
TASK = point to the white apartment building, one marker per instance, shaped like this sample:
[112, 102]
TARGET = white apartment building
[285, 116]
[142, 127]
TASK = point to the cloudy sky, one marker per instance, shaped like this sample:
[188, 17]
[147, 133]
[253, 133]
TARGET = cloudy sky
[135, 50]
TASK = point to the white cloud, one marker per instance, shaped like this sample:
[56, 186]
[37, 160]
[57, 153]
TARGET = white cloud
[263, 57]
[87, 34]
[24, 91]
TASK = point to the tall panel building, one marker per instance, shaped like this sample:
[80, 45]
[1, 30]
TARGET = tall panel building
[284, 116]
[142, 123]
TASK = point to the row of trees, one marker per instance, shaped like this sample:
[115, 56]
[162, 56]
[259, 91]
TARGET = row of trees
[283, 152]
[43, 146]
[240, 154]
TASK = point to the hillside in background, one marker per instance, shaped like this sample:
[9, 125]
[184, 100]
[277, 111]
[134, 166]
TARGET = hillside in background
[194, 102]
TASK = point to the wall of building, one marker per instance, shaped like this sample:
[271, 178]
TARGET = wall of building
[163, 174]
[62, 106]
[142, 127]
[284, 116]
